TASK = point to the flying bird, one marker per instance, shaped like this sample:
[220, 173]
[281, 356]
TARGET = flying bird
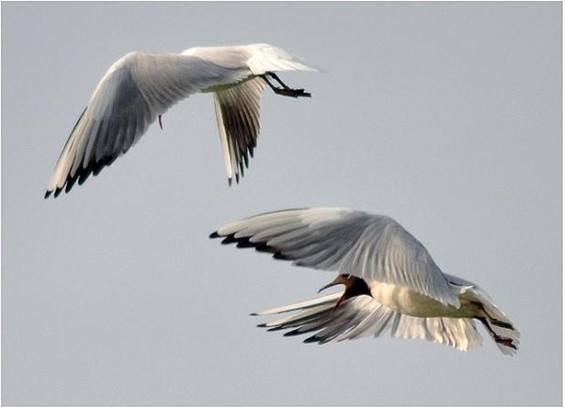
[140, 87]
[390, 281]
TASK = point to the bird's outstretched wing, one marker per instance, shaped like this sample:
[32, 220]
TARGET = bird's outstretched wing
[371, 247]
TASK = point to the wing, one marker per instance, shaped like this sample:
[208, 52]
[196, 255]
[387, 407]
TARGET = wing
[363, 316]
[237, 113]
[130, 96]
[372, 247]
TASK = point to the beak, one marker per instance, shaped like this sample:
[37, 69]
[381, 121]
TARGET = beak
[338, 280]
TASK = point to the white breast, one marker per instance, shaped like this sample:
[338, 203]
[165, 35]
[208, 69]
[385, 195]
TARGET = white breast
[410, 302]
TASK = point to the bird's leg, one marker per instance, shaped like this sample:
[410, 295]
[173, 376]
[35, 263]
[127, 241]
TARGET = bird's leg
[502, 324]
[285, 90]
[277, 79]
[506, 341]
[493, 320]
[160, 123]
[275, 89]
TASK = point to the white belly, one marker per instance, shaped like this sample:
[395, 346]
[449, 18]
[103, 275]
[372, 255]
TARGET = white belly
[410, 302]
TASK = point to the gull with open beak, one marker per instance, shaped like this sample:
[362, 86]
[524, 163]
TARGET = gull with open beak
[391, 283]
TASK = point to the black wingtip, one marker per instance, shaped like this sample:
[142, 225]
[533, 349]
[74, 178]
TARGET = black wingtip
[262, 247]
[229, 181]
[229, 239]
[244, 243]
[311, 340]
[292, 333]
[47, 194]
[279, 256]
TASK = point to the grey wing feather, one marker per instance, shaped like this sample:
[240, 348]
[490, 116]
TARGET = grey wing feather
[130, 96]
[237, 113]
[371, 247]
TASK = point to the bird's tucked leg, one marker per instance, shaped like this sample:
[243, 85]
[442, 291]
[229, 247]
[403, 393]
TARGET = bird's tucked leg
[160, 123]
[506, 341]
[285, 90]
[493, 320]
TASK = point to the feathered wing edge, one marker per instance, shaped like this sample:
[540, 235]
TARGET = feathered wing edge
[363, 316]
[237, 114]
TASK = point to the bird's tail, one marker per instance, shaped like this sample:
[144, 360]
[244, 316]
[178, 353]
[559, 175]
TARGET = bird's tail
[499, 326]
[496, 322]
[269, 58]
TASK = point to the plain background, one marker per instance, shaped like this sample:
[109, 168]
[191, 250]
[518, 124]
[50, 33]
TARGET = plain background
[445, 116]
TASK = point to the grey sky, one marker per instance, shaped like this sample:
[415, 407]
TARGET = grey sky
[444, 116]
